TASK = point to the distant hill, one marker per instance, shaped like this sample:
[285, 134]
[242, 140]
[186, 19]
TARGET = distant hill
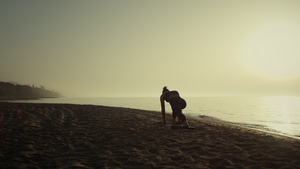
[10, 91]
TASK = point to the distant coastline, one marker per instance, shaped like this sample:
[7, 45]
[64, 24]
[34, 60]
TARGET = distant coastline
[11, 91]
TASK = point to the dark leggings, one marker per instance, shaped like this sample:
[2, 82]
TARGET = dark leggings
[177, 104]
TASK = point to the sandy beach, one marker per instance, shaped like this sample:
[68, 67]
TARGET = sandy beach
[87, 136]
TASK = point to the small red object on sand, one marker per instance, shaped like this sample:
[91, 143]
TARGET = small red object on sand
[19, 112]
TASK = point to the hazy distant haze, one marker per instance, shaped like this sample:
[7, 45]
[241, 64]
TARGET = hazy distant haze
[134, 48]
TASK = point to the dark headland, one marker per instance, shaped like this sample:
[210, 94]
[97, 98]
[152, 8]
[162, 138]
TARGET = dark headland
[11, 91]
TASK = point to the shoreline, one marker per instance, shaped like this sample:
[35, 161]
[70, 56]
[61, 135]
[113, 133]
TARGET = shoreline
[249, 126]
[45, 135]
[233, 124]
[233, 114]
[242, 125]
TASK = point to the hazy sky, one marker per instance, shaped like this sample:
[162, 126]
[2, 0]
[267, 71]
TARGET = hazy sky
[134, 48]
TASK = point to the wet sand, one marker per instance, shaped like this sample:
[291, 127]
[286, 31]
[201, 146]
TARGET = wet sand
[86, 136]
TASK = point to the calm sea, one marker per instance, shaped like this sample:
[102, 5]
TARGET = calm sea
[272, 114]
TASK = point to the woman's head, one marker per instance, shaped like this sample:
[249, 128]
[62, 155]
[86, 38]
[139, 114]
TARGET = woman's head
[165, 89]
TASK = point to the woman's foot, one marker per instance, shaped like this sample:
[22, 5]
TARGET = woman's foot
[186, 124]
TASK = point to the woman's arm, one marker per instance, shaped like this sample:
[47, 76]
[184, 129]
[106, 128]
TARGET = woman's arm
[162, 103]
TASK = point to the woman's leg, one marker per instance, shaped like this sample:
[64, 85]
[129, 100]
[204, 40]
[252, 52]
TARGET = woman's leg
[176, 109]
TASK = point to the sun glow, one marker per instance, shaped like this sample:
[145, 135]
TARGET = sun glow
[273, 52]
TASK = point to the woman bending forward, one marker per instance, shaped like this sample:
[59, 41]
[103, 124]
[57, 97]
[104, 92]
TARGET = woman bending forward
[177, 104]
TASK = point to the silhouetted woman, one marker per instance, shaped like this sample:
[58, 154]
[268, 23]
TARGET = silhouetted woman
[177, 104]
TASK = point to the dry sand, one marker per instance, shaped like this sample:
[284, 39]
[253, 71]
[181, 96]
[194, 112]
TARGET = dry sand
[86, 136]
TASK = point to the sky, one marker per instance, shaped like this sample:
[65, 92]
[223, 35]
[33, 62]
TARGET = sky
[133, 48]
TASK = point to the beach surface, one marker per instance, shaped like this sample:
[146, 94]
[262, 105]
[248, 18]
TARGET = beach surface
[87, 136]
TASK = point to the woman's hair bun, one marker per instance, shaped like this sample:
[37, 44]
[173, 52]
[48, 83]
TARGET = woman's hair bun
[165, 89]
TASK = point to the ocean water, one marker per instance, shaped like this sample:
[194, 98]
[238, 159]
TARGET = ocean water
[271, 114]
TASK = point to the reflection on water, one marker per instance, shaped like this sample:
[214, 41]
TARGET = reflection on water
[282, 113]
[273, 113]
